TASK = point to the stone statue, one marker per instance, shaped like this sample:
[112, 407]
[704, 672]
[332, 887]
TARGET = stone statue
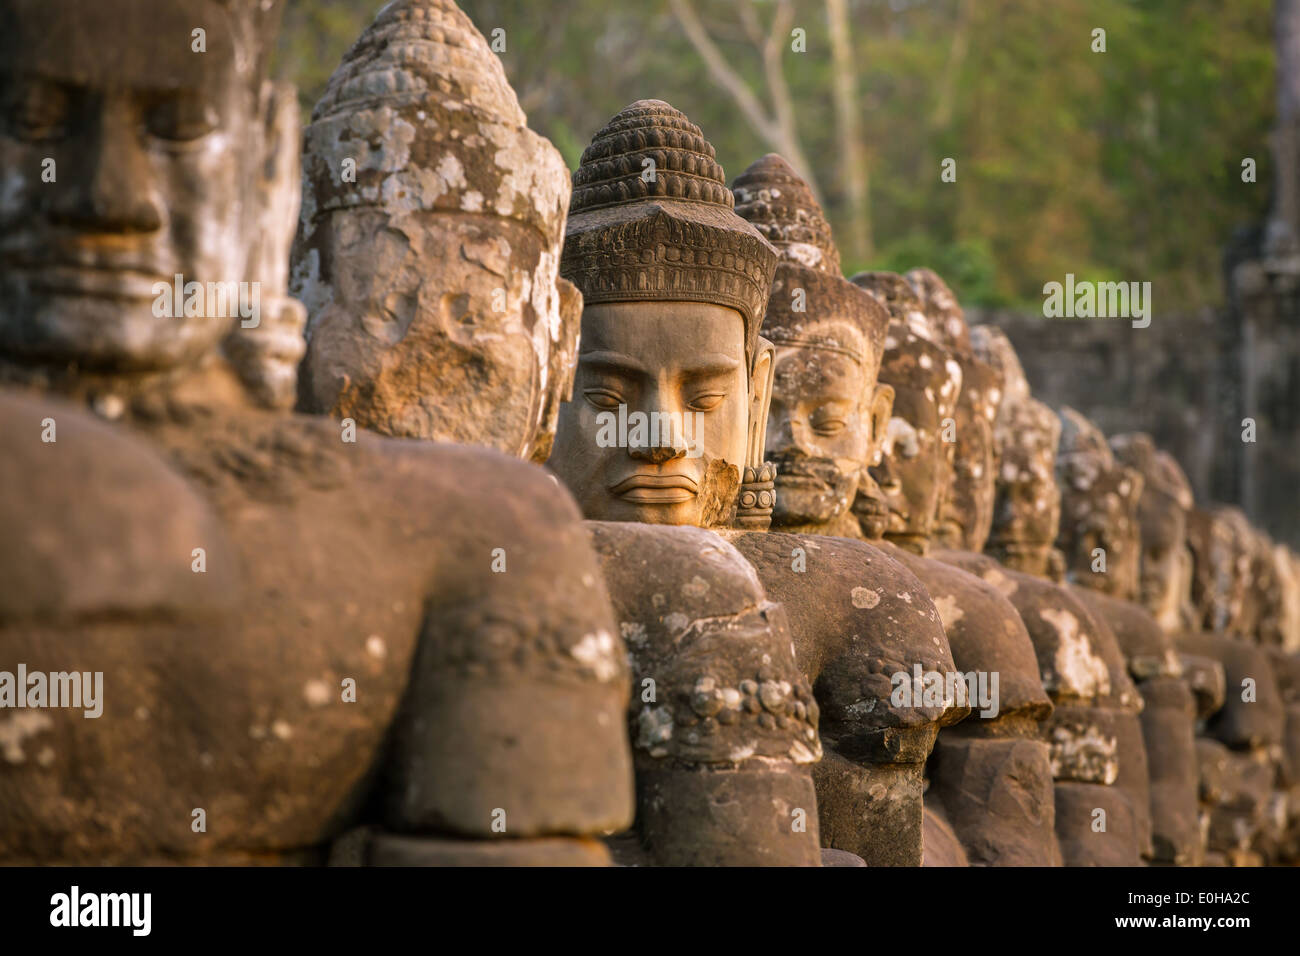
[965, 515]
[990, 775]
[860, 619]
[666, 428]
[419, 154]
[1078, 660]
[1162, 673]
[292, 619]
[1237, 758]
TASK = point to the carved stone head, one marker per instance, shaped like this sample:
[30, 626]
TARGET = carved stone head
[1099, 535]
[126, 165]
[1240, 598]
[966, 510]
[1209, 538]
[670, 400]
[916, 463]
[419, 154]
[941, 307]
[1165, 563]
[1026, 434]
[1288, 570]
[828, 414]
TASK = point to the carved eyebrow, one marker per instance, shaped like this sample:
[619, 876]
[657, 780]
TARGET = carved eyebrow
[711, 365]
[615, 362]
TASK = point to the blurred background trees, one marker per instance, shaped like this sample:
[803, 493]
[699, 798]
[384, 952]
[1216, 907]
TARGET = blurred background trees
[1117, 165]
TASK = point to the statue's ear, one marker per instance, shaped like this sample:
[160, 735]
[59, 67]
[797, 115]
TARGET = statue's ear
[878, 412]
[760, 401]
[266, 348]
[562, 365]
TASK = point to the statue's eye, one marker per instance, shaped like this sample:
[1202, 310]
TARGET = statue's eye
[180, 117]
[706, 401]
[828, 424]
[37, 110]
[603, 398]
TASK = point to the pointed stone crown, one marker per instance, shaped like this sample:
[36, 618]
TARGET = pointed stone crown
[652, 219]
[811, 304]
[780, 204]
[1082, 440]
[1159, 469]
[991, 345]
[940, 305]
[914, 356]
[981, 386]
[414, 105]
[895, 293]
[1084, 460]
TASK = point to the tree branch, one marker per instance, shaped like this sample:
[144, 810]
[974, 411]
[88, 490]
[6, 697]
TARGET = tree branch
[722, 72]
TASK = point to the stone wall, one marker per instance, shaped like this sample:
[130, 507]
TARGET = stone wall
[1189, 380]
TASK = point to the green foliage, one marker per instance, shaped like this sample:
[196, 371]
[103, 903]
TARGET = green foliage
[1123, 164]
[966, 264]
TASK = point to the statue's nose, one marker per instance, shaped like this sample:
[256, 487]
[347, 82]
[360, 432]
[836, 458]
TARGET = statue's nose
[657, 454]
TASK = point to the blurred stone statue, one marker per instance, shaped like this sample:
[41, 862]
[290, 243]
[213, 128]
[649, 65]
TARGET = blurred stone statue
[293, 617]
[990, 775]
[860, 618]
[428, 251]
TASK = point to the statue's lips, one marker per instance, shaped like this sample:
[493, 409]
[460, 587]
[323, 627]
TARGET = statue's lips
[656, 489]
[111, 282]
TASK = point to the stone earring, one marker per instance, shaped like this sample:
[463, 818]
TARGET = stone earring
[757, 497]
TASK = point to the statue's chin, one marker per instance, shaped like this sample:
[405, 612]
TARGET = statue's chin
[105, 333]
[658, 512]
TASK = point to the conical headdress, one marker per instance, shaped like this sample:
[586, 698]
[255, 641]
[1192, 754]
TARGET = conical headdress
[941, 307]
[808, 290]
[652, 219]
[780, 204]
[1159, 469]
[413, 105]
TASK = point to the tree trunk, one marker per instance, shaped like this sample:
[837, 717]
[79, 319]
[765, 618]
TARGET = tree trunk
[854, 175]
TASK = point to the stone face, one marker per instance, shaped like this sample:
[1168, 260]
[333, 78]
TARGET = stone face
[987, 637]
[669, 273]
[1026, 436]
[1166, 499]
[153, 547]
[418, 153]
[675, 285]
[926, 380]
[1099, 500]
[186, 221]
[828, 415]
[828, 419]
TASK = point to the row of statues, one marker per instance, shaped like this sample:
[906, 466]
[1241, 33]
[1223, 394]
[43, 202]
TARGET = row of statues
[860, 600]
